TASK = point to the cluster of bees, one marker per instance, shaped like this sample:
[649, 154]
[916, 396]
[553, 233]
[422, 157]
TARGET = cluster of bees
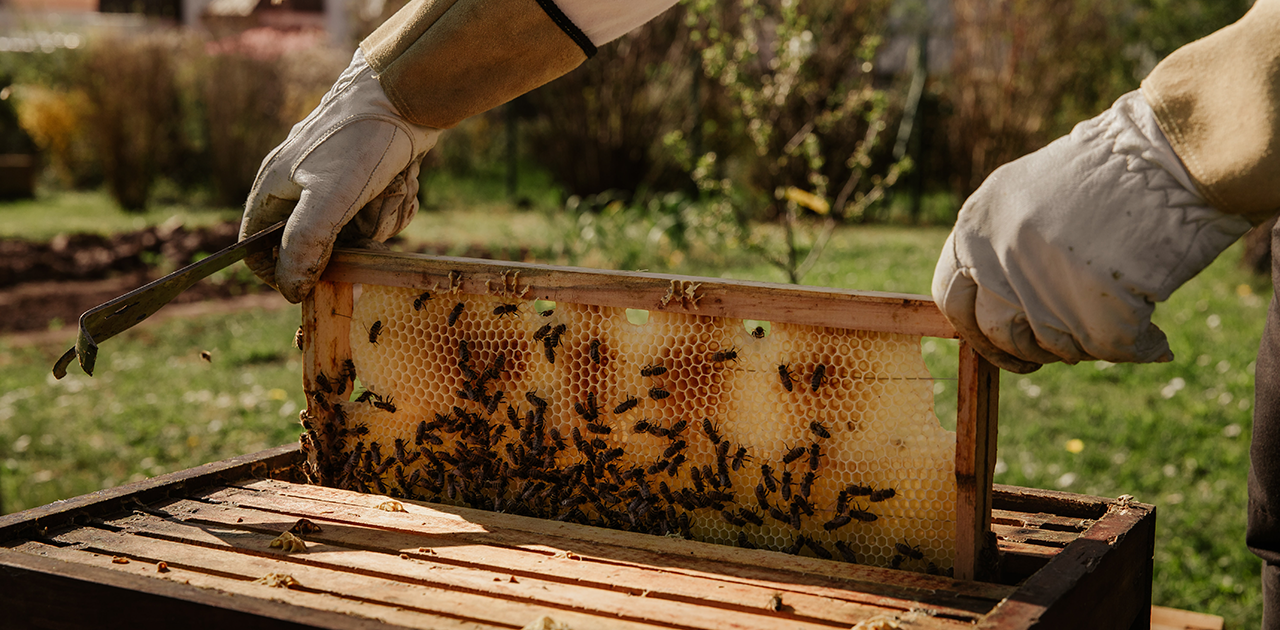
[503, 451]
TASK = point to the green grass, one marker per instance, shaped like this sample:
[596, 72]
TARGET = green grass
[50, 214]
[1175, 434]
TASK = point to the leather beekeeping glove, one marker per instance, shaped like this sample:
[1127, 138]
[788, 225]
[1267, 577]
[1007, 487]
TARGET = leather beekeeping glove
[1062, 254]
[350, 167]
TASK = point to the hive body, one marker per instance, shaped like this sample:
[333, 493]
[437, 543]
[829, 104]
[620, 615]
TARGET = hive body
[870, 413]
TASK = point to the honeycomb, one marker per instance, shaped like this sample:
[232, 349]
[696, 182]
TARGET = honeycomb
[816, 441]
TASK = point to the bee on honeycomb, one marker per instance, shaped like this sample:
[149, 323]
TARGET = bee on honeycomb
[684, 425]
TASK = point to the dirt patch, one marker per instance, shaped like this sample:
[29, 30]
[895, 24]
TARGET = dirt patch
[47, 285]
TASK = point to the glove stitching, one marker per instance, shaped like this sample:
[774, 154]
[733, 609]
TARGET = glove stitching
[335, 128]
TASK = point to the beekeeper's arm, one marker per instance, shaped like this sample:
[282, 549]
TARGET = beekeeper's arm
[1061, 255]
[351, 166]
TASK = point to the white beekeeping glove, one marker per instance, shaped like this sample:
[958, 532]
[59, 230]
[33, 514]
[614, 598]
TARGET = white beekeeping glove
[352, 163]
[1062, 254]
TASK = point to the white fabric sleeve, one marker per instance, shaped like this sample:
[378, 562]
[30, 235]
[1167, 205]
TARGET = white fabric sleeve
[606, 20]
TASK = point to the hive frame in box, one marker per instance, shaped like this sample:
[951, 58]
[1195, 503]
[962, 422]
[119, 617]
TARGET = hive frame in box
[328, 309]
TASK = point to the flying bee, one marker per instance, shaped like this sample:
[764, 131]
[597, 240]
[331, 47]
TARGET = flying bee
[627, 405]
[758, 332]
[766, 475]
[602, 429]
[710, 429]
[815, 456]
[840, 520]
[882, 495]
[374, 331]
[819, 430]
[541, 333]
[819, 375]
[657, 393]
[907, 550]
[653, 370]
[456, 313]
[502, 310]
[720, 356]
[595, 351]
[794, 454]
[784, 374]
[739, 457]
[421, 299]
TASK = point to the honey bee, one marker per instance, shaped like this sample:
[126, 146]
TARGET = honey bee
[743, 542]
[896, 562]
[785, 485]
[882, 495]
[420, 300]
[815, 455]
[547, 313]
[503, 310]
[779, 515]
[595, 351]
[494, 401]
[207, 356]
[806, 484]
[784, 374]
[657, 393]
[819, 550]
[541, 333]
[710, 430]
[762, 496]
[653, 370]
[464, 351]
[550, 352]
[674, 465]
[758, 332]
[819, 430]
[819, 375]
[766, 475]
[907, 550]
[794, 454]
[750, 516]
[720, 356]
[739, 457]
[384, 404]
[298, 338]
[374, 331]
[535, 400]
[676, 447]
[858, 490]
[846, 552]
[627, 405]
[641, 426]
[862, 515]
[456, 313]
[733, 519]
[602, 429]
[840, 520]
[676, 429]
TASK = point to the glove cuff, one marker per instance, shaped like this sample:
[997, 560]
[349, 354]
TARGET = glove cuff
[441, 61]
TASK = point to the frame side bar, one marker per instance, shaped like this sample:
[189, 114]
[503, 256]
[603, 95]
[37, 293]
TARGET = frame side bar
[898, 313]
[976, 424]
[326, 343]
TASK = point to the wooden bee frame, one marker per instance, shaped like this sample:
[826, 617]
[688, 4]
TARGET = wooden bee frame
[327, 313]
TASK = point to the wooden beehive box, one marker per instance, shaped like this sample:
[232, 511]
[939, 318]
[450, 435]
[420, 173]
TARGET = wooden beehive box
[1022, 558]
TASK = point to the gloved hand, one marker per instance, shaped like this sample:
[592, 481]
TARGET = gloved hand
[1062, 254]
[349, 169]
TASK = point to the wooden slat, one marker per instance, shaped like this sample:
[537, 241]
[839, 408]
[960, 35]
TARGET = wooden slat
[47, 592]
[1100, 581]
[389, 580]
[261, 463]
[1163, 618]
[1052, 502]
[812, 306]
[748, 562]
[549, 560]
[326, 325]
[486, 576]
[976, 421]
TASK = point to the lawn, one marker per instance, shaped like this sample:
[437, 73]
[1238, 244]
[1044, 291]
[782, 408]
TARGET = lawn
[1175, 434]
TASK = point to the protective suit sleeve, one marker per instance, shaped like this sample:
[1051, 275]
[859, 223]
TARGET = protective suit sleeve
[1218, 102]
